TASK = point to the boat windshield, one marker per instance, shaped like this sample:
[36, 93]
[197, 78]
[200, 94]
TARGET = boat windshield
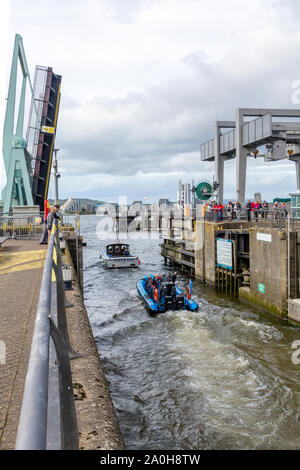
[118, 249]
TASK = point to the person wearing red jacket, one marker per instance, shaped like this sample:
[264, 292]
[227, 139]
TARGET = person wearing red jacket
[257, 208]
[220, 212]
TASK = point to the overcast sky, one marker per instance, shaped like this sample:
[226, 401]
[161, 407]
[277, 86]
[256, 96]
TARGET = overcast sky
[144, 81]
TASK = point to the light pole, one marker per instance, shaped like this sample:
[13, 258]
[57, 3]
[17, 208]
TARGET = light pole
[56, 176]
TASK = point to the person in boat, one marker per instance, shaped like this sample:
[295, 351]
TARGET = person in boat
[168, 288]
[188, 292]
[148, 283]
[163, 290]
[151, 290]
[159, 285]
[126, 251]
[173, 292]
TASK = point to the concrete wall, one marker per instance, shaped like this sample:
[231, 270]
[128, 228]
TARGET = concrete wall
[268, 262]
[205, 264]
[200, 250]
[268, 267]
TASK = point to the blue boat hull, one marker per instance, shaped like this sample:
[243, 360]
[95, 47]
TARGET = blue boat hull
[156, 307]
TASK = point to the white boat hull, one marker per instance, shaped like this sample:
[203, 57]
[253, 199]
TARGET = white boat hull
[120, 262]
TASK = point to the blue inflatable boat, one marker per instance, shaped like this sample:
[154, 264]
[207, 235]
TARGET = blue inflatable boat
[165, 302]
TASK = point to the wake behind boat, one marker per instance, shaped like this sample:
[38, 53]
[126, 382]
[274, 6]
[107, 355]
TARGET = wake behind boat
[161, 294]
[117, 255]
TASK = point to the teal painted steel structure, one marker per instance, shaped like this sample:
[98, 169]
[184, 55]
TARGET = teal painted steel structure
[17, 159]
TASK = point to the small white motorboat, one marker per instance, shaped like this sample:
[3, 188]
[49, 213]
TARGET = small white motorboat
[117, 255]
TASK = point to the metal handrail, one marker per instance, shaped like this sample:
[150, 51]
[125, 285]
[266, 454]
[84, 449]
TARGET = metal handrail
[264, 216]
[32, 429]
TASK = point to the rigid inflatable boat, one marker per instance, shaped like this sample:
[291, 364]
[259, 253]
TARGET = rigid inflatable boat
[170, 297]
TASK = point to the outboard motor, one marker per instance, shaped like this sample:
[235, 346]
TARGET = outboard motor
[168, 302]
[179, 302]
[169, 288]
[173, 294]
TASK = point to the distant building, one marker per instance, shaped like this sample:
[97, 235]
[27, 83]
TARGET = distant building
[164, 204]
[90, 207]
[257, 197]
[163, 201]
[183, 194]
[136, 206]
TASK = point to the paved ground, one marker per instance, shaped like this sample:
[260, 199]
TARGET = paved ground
[21, 264]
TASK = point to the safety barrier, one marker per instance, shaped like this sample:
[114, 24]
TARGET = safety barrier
[33, 423]
[27, 226]
[276, 218]
[21, 225]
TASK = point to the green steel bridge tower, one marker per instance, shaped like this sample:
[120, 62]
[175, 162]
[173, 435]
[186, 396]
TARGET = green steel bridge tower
[16, 157]
[28, 160]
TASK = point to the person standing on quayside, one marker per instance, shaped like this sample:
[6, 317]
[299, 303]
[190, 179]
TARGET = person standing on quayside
[44, 239]
[50, 218]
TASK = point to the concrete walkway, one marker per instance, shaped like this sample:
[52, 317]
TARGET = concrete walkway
[21, 268]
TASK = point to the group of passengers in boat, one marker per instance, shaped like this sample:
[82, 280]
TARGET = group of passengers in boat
[163, 285]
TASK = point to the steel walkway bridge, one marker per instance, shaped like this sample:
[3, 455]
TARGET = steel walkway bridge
[263, 136]
[70, 205]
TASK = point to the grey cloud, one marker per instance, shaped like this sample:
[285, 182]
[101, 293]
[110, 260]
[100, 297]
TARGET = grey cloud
[124, 11]
[145, 139]
[144, 130]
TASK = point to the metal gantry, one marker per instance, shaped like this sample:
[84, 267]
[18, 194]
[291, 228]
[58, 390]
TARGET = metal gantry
[281, 140]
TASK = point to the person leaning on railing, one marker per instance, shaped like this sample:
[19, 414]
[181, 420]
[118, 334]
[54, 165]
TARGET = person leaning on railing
[257, 210]
[237, 210]
[284, 209]
[276, 210]
[51, 217]
[248, 208]
[265, 208]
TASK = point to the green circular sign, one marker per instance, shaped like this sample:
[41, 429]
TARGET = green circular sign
[204, 191]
